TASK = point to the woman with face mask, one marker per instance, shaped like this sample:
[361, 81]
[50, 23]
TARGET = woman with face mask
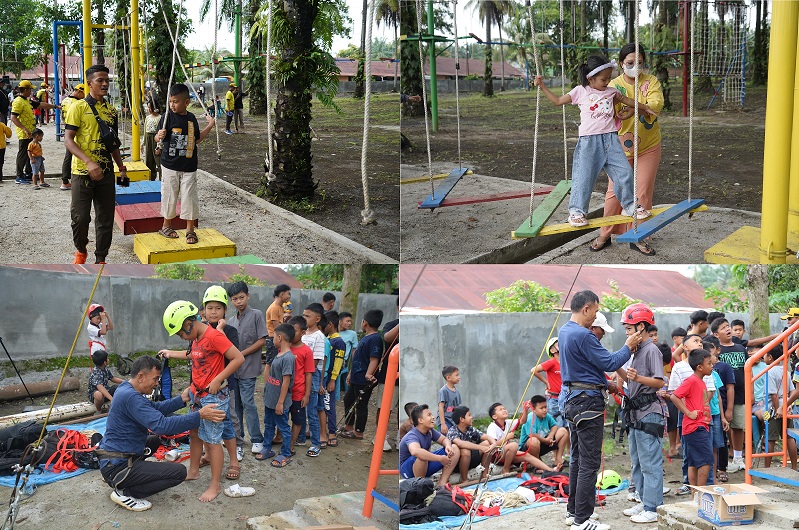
[651, 94]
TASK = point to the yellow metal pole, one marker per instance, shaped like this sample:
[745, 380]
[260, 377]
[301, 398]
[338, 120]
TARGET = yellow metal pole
[135, 83]
[87, 35]
[777, 148]
[793, 194]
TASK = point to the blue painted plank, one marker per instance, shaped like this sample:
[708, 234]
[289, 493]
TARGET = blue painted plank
[139, 192]
[650, 226]
[385, 500]
[784, 475]
[443, 189]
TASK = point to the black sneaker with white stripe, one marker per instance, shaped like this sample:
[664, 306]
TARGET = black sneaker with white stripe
[590, 524]
[130, 503]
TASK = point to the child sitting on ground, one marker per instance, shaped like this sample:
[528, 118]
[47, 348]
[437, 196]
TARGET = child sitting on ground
[448, 398]
[474, 445]
[502, 430]
[692, 399]
[37, 160]
[540, 433]
[99, 390]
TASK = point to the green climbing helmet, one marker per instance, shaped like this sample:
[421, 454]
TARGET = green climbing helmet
[176, 314]
[215, 293]
[608, 479]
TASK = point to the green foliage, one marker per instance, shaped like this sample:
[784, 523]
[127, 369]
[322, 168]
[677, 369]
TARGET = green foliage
[378, 279]
[241, 276]
[730, 295]
[179, 271]
[616, 301]
[712, 275]
[160, 48]
[727, 299]
[522, 296]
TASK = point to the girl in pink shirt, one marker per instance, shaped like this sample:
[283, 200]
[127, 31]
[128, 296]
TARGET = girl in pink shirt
[598, 146]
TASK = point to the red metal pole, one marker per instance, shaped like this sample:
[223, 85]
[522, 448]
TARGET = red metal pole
[382, 429]
[686, 48]
[63, 66]
[46, 115]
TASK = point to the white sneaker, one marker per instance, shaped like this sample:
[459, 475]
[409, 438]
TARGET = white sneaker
[645, 517]
[570, 518]
[386, 446]
[634, 496]
[130, 503]
[256, 448]
[635, 510]
[737, 463]
[590, 524]
[666, 490]
[239, 453]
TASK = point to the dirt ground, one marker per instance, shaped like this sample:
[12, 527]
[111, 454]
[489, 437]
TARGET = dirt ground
[336, 166]
[496, 140]
[82, 502]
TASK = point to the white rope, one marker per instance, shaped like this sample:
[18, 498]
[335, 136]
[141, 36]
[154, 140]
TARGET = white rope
[174, 55]
[537, 107]
[691, 103]
[424, 97]
[561, 23]
[635, 125]
[146, 52]
[213, 81]
[367, 214]
[270, 171]
[457, 75]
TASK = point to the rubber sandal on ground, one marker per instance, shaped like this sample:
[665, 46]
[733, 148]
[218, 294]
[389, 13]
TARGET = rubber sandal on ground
[236, 491]
[351, 435]
[266, 455]
[168, 232]
[595, 247]
[233, 472]
[646, 251]
[313, 451]
[191, 238]
[333, 442]
[204, 462]
[280, 461]
[577, 220]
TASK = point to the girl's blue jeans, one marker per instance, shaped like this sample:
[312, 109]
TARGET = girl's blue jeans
[592, 154]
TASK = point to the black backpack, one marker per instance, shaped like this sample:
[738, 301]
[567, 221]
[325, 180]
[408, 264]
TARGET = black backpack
[414, 491]
[14, 439]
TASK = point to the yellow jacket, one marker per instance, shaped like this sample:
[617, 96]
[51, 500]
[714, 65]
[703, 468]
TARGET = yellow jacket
[5, 132]
[651, 93]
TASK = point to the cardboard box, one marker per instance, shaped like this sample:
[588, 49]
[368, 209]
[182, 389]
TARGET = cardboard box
[728, 504]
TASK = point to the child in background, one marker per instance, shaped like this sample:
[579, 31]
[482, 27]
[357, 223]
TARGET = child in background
[99, 326]
[552, 380]
[407, 425]
[500, 430]
[718, 423]
[475, 446]
[315, 339]
[37, 160]
[350, 338]
[5, 134]
[100, 392]
[332, 373]
[775, 404]
[304, 368]
[278, 378]
[541, 434]
[598, 146]
[150, 129]
[448, 398]
[692, 399]
[361, 379]
[738, 328]
[180, 133]
[727, 377]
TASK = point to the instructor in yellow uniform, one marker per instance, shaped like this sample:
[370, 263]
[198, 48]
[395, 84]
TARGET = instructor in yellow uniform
[22, 116]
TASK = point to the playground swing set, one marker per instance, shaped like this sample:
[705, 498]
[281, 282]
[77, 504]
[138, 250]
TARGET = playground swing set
[535, 224]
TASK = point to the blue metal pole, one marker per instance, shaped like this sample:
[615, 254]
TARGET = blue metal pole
[56, 23]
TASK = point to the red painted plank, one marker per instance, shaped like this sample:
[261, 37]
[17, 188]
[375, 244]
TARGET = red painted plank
[141, 218]
[476, 199]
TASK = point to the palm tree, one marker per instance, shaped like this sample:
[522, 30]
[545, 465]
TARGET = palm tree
[412, 73]
[491, 12]
[388, 12]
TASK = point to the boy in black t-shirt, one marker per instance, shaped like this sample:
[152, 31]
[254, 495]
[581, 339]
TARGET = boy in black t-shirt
[735, 355]
[178, 135]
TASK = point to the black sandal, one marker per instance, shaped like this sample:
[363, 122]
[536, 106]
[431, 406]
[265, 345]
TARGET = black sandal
[603, 246]
[647, 251]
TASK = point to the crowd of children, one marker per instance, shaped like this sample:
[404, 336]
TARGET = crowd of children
[692, 392]
[301, 368]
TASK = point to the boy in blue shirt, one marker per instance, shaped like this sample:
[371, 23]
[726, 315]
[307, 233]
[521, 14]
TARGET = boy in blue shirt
[448, 398]
[278, 379]
[350, 338]
[540, 434]
[361, 380]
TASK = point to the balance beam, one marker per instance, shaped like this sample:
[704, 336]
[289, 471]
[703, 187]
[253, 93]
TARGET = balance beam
[435, 199]
[593, 224]
[533, 225]
[476, 199]
[650, 226]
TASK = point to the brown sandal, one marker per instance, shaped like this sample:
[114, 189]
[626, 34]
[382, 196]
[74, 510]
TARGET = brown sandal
[191, 238]
[233, 472]
[168, 232]
[204, 462]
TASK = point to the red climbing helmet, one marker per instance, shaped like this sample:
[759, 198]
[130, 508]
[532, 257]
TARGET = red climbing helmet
[93, 308]
[635, 313]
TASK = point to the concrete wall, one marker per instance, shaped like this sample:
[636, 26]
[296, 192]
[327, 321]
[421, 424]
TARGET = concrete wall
[381, 87]
[42, 310]
[495, 352]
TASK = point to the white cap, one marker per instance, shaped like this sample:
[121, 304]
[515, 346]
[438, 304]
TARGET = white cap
[601, 322]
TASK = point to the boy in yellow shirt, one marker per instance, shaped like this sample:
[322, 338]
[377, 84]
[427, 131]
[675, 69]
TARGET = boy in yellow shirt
[37, 160]
[5, 132]
[230, 101]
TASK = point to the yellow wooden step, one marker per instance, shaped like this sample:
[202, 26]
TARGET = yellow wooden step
[136, 170]
[155, 248]
[743, 246]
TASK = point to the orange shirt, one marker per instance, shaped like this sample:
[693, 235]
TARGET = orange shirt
[35, 149]
[274, 313]
[208, 357]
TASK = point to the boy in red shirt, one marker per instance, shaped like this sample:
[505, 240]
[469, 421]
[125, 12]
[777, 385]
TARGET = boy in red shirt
[692, 399]
[552, 380]
[208, 350]
[304, 368]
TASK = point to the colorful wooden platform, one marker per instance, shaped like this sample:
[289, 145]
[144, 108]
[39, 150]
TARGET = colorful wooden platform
[155, 248]
[143, 218]
[657, 222]
[504, 196]
[434, 200]
[743, 246]
[593, 224]
[541, 214]
[139, 192]
[137, 171]
[246, 259]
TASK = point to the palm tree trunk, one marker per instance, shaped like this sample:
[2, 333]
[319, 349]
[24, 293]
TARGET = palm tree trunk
[412, 72]
[256, 69]
[396, 56]
[292, 164]
[99, 33]
[502, 57]
[488, 76]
